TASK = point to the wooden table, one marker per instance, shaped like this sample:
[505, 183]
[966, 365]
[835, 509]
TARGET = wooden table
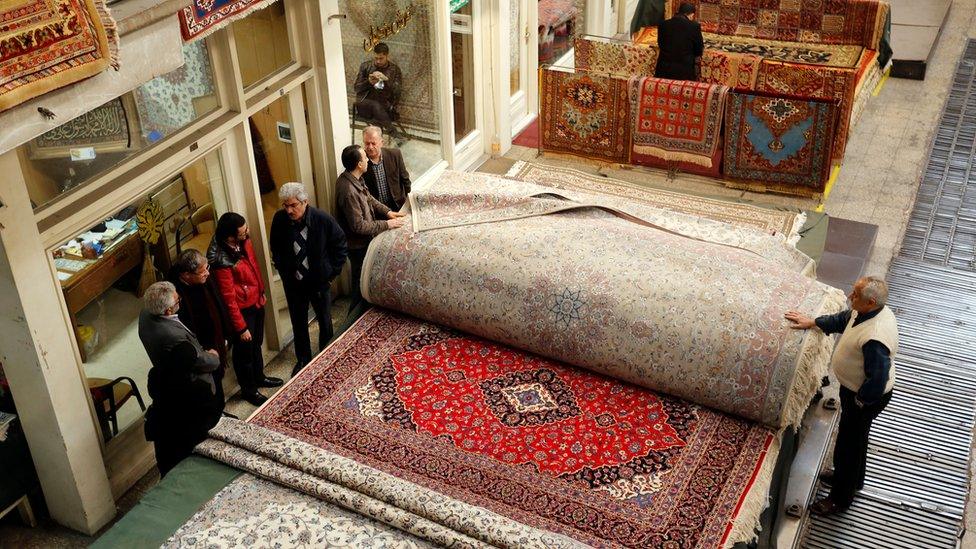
[92, 281]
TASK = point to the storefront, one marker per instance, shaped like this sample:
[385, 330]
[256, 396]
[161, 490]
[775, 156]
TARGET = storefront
[97, 203]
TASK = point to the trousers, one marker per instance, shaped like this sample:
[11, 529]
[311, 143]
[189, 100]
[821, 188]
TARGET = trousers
[851, 449]
[247, 358]
[299, 299]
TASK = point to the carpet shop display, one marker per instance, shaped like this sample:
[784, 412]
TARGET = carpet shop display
[779, 142]
[204, 17]
[785, 224]
[614, 315]
[853, 22]
[585, 114]
[677, 121]
[50, 44]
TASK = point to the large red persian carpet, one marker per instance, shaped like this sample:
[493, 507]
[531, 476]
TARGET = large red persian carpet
[554, 447]
[49, 44]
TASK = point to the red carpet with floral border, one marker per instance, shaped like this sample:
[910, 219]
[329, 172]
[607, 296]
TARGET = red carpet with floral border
[549, 445]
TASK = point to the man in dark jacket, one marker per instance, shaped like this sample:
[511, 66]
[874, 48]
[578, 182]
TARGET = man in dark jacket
[386, 178]
[378, 84]
[681, 43]
[202, 309]
[182, 384]
[308, 248]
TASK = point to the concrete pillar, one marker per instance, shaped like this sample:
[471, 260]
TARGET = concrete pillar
[41, 365]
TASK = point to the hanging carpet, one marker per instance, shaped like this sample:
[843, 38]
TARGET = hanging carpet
[585, 115]
[204, 17]
[49, 44]
[778, 142]
[614, 58]
[677, 120]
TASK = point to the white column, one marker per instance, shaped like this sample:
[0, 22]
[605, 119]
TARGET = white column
[41, 365]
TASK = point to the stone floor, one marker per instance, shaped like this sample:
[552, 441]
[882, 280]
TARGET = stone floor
[877, 185]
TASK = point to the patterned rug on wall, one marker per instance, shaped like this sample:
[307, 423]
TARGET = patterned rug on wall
[767, 220]
[49, 44]
[779, 143]
[855, 22]
[410, 49]
[165, 104]
[813, 82]
[677, 121]
[204, 17]
[553, 447]
[585, 115]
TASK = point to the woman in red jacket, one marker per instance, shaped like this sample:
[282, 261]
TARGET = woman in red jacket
[235, 268]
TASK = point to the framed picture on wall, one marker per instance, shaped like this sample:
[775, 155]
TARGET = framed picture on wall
[284, 132]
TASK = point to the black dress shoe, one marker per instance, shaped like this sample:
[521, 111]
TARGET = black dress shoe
[255, 398]
[271, 382]
[825, 507]
[827, 477]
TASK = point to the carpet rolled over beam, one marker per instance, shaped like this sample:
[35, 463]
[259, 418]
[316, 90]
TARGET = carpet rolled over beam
[680, 305]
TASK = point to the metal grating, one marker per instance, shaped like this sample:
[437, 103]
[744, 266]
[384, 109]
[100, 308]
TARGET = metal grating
[918, 458]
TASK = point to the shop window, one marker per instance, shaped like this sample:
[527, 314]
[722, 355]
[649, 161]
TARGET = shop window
[103, 269]
[81, 149]
[462, 72]
[262, 43]
[413, 115]
[516, 49]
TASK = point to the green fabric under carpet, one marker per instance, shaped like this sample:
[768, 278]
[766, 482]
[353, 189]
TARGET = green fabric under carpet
[165, 507]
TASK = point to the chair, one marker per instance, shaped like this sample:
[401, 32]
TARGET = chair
[394, 121]
[200, 216]
[109, 395]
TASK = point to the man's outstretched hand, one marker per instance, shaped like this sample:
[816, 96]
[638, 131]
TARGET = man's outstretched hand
[799, 321]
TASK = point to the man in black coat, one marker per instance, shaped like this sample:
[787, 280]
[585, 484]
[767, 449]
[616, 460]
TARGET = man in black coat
[202, 308]
[308, 248]
[182, 384]
[681, 44]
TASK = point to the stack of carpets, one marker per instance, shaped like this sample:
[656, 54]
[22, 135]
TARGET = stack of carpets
[677, 124]
[558, 403]
[49, 44]
[605, 56]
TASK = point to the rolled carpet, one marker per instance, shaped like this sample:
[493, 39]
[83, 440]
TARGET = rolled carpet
[680, 305]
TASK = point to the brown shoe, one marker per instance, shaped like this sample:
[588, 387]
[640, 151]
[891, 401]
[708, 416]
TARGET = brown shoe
[825, 507]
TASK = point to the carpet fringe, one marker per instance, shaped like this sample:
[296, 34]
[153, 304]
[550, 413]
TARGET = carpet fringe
[228, 20]
[111, 31]
[515, 169]
[747, 523]
[813, 362]
[673, 156]
[794, 235]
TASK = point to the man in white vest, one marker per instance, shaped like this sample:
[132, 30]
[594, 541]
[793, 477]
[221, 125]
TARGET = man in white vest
[863, 363]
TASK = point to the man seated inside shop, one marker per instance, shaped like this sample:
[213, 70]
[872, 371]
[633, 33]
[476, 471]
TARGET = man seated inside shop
[387, 177]
[377, 88]
[682, 45]
[182, 381]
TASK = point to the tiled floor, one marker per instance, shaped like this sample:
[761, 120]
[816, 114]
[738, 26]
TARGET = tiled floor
[876, 186]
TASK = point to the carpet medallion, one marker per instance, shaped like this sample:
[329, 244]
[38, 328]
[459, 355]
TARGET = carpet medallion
[779, 141]
[614, 58]
[554, 447]
[586, 115]
[203, 17]
[676, 120]
[49, 44]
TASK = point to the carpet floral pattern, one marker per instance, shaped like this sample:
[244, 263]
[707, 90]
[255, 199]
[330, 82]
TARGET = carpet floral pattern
[204, 17]
[254, 512]
[49, 44]
[614, 58]
[556, 448]
[779, 141]
[854, 22]
[618, 324]
[767, 220]
[585, 115]
[165, 103]
[677, 121]
[737, 71]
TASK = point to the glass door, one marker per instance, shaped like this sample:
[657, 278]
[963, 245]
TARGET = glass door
[521, 80]
[466, 83]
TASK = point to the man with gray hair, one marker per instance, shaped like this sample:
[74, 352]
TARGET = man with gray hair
[862, 362]
[181, 380]
[386, 176]
[308, 248]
